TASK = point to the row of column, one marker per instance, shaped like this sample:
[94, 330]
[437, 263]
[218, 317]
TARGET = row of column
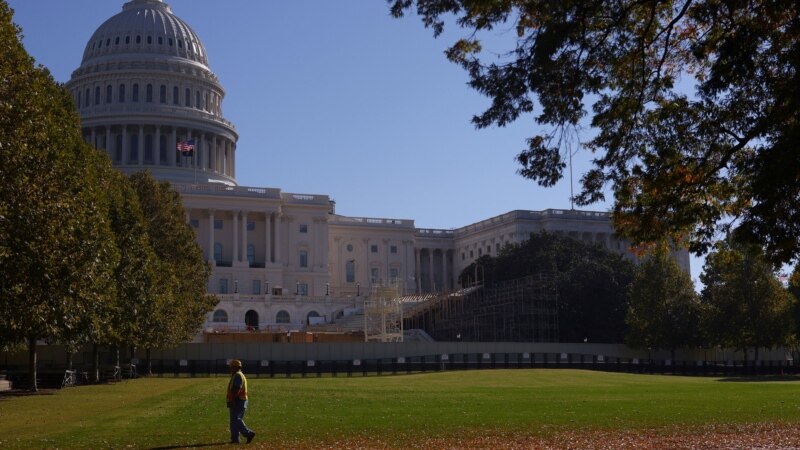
[212, 151]
[272, 241]
[445, 279]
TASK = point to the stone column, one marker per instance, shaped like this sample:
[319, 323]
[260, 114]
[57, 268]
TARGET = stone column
[171, 147]
[430, 263]
[157, 147]
[267, 256]
[140, 145]
[125, 145]
[235, 237]
[278, 258]
[108, 142]
[244, 238]
[211, 237]
[418, 269]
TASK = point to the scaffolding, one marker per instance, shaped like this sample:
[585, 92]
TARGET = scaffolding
[520, 310]
[383, 314]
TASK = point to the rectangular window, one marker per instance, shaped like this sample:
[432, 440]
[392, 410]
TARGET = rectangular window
[393, 249]
[497, 247]
[303, 258]
[256, 287]
[374, 275]
[303, 228]
[195, 223]
[463, 256]
[350, 269]
[302, 288]
[223, 285]
[393, 274]
[471, 254]
[251, 226]
[373, 248]
[217, 224]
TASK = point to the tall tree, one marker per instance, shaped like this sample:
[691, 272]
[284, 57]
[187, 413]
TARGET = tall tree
[695, 105]
[56, 250]
[664, 310]
[184, 272]
[746, 305]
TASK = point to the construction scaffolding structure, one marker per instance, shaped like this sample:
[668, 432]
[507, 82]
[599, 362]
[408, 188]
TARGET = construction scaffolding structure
[383, 314]
[520, 310]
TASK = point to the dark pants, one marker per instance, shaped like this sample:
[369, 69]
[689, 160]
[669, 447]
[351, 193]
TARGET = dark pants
[237, 422]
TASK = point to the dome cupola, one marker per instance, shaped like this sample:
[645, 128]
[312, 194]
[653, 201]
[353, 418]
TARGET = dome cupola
[144, 27]
[144, 87]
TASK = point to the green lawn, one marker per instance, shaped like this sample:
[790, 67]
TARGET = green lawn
[396, 410]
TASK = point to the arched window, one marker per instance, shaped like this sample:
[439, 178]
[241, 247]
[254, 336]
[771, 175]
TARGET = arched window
[251, 320]
[135, 92]
[188, 97]
[138, 39]
[175, 97]
[97, 95]
[282, 317]
[86, 100]
[350, 270]
[109, 93]
[121, 96]
[220, 316]
[217, 252]
[116, 40]
[310, 315]
[127, 39]
[251, 253]
[207, 101]
[162, 94]
[197, 103]
[149, 39]
[149, 93]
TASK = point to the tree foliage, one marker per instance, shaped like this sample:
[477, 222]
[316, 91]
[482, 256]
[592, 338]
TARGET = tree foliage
[746, 305]
[56, 251]
[592, 282]
[695, 105]
[664, 311]
[184, 272]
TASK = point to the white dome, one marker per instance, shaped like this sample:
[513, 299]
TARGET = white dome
[143, 87]
[144, 26]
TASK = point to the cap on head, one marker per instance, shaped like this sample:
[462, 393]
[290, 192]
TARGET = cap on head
[236, 363]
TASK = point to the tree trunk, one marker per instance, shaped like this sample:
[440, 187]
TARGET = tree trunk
[69, 359]
[95, 363]
[32, 364]
[116, 355]
[149, 368]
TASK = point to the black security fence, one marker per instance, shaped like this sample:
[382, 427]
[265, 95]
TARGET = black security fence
[55, 376]
[471, 361]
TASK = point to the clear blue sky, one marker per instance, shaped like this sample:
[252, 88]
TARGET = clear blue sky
[338, 98]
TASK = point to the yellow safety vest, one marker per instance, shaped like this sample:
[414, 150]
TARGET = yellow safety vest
[242, 394]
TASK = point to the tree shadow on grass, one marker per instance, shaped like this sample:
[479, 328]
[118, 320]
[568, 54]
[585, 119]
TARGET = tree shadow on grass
[170, 447]
[25, 393]
[761, 378]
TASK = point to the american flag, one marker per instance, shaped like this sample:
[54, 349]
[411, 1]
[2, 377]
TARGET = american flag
[186, 147]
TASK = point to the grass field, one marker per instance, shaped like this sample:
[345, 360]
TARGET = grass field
[391, 411]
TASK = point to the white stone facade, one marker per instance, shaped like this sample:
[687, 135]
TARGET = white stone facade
[278, 258]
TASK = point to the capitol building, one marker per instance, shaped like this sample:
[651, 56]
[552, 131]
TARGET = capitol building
[279, 259]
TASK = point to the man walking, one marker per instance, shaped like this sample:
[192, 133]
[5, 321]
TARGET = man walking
[236, 398]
